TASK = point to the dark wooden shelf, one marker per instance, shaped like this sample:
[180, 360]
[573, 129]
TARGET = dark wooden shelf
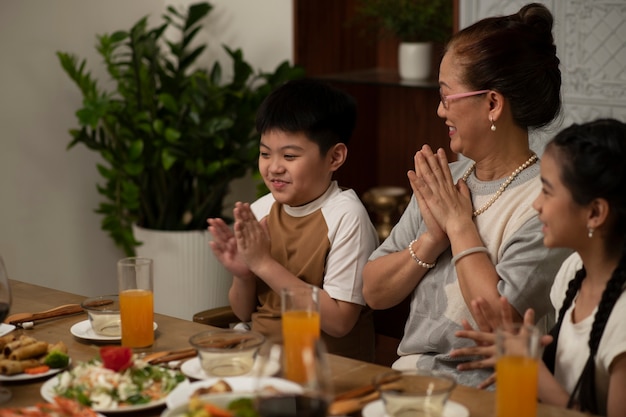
[379, 77]
[395, 117]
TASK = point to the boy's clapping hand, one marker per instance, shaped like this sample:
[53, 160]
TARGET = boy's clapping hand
[224, 247]
[251, 235]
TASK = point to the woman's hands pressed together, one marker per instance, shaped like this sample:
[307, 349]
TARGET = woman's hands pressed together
[441, 202]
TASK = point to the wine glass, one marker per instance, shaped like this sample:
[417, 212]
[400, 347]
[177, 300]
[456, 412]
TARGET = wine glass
[307, 391]
[5, 305]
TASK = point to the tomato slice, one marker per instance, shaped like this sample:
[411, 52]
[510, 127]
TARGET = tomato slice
[116, 358]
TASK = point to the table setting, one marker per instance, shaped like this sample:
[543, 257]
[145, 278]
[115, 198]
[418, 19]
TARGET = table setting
[171, 350]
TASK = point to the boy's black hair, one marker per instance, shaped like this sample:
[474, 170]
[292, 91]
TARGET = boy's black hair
[325, 114]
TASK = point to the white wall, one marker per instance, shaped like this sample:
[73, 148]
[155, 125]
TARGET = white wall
[49, 234]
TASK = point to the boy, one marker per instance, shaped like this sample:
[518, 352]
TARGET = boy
[310, 231]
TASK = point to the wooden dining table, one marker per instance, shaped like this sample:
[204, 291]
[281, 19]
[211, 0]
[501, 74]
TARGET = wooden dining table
[173, 333]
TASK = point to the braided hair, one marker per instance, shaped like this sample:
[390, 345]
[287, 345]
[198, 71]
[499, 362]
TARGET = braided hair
[592, 158]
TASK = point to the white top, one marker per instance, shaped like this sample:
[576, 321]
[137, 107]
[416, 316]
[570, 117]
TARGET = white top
[572, 349]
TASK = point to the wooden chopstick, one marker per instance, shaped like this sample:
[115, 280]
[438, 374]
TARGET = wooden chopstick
[172, 356]
[355, 399]
[351, 405]
[364, 390]
[63, 310]
[227, 343]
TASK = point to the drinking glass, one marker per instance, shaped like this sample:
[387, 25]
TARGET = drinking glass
[414, 393]
[307, 396]
[518, 349]
[5, 306]
[135, 283]
[300, 325]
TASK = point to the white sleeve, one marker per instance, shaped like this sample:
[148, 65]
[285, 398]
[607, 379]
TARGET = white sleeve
[353, 238]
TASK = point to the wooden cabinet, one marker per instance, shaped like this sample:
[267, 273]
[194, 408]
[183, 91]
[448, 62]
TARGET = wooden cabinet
[395, 117]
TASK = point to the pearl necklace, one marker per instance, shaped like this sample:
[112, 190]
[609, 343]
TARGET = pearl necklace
[505, 184]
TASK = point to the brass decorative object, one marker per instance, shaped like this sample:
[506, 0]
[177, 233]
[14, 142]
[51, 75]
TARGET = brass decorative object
[387, 203]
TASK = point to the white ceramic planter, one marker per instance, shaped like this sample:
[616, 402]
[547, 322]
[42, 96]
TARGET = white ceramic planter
[414, 60]
[187, 276]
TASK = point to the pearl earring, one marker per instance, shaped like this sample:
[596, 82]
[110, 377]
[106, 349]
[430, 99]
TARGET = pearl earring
[590, 232]
[493, 126]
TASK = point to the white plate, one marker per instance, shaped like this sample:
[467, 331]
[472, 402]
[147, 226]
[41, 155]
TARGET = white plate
[36, 409]
[47, 392]
[180, 395]
[193, 369]
[28, 377]
[451, 409]
[84, 330]
[6, 328]
[218, 399]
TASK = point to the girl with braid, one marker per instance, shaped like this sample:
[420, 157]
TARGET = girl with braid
[582, 206]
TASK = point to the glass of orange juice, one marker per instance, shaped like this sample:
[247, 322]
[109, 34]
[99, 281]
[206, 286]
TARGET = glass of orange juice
[135, 283]
[301, 326]
[518, 349]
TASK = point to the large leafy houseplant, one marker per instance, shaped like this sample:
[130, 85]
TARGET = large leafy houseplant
[408, 20]
[172, 135]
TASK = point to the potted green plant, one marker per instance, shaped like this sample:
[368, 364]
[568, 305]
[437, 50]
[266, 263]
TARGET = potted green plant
[416, 24]
[172, 135]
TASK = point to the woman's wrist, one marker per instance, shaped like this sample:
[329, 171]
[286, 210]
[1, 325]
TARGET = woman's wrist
[421, 259]
[468, 251]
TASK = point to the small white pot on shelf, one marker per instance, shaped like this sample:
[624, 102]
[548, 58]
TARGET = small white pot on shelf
[414, 60]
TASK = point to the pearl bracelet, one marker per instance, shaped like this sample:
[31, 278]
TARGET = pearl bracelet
[468, 252]
[419, 261]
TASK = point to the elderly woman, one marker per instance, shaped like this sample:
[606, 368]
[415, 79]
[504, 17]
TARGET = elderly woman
[470, 229]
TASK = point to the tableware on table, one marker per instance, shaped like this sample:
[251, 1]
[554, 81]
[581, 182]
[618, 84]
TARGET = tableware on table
[518, 349]
[157, 358]
[23, 377]
[313, 377]
[349, 402]
[221, 400]
[5, 306]
[193, 369]
[104, 379]
[104, 314]
[20, 319]
[340, 407]
[300, 311]
[6, 329]
[135, 281]
[227, 352]
[83, 330]
[59, 408]
[414, 393]
[48, 394]
[239, 384]
[451, 409]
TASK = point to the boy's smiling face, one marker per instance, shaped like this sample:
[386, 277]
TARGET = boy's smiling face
[293, 168]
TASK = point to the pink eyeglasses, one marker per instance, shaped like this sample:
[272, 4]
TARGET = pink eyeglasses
[446, 99]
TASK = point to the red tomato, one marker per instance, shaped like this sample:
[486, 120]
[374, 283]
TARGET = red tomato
[116, 358]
